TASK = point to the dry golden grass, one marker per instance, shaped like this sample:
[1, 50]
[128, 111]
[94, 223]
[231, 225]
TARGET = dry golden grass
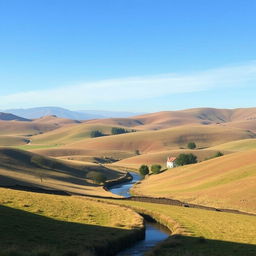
[167, 139]
[29, 169]
[161, 157]
[234, 146]
[167, 119]
[12, 140]
[34, 127]
[225, 182]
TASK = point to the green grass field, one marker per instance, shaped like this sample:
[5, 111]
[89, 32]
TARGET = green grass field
[200, 232]
[44, 225]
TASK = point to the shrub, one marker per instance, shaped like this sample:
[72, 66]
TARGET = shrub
[137, 152]
[97, 177]
[156, 168]
[184, 159]
[96, 133]
[191, 145]
[217, 154]
[144, 170]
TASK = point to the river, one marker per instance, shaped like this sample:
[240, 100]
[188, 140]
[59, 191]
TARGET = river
[154, 232]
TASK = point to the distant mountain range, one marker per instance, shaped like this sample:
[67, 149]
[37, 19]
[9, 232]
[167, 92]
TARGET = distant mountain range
[32, 113]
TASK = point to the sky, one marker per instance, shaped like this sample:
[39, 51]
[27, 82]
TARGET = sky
[129, 55]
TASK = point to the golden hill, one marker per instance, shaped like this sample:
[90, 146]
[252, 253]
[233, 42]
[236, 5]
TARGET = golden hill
[161, 157]
[167, 119]
[36, 126]
[165, 139]
[19, 167]
[226, 182]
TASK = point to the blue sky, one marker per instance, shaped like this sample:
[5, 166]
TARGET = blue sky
[135, 55]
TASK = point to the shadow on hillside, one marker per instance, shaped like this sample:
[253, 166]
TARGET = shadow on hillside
[25, 233]
[179, 245]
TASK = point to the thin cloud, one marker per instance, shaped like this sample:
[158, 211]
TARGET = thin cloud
[132, 88]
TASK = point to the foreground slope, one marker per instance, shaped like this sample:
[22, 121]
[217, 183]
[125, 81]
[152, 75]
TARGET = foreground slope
[19, 167]
[35, 224]
[199, 232]
[224, 182]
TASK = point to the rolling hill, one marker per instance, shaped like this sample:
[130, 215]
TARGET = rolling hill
[165, 139]
[224, 182]
[167, 119]
[33, 127]
[19, 167]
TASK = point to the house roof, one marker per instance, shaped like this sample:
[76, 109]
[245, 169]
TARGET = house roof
[171, 159]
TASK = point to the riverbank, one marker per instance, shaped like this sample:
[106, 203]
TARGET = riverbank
[56, 225]
[199, 232]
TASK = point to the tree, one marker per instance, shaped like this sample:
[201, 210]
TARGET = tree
[191, 145]
[97, 177]
[144, 170]
[156, 168]
[96, 133]
[118, 130]
[184, 159]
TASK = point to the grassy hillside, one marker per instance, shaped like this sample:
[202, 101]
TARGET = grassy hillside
[167, 119]
[37, 224]
[234, 146]
[8, 140]
[161, 157]
[30, 169]
[173, 138]
[200, 232]
[68, 134]
[37, 126]
[225, 182]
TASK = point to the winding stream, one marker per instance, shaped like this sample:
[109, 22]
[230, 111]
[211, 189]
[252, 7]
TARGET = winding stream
[154, 232]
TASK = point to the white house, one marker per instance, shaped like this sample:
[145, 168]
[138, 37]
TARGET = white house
[171, 162]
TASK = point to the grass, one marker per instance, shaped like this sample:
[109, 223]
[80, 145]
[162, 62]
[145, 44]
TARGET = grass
[37, 146]
[234, 146]
[225, 182]
[39, 224]
[30, 169]
[161, 157]
[200, 232]
[12, 140]
[167, 139]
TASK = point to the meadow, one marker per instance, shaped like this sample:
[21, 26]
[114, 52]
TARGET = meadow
[200, 232]
[35, 224]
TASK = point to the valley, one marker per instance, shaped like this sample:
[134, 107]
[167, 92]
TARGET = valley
[52, 172]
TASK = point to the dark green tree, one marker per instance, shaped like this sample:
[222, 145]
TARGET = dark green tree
[96, 133]
[144, 170]
[184, 159]
[191, 145]
[118, 130]
[156, 168]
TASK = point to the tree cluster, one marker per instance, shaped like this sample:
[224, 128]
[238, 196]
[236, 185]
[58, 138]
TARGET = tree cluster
[119, 130]
[184, 159]
[96, 133]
